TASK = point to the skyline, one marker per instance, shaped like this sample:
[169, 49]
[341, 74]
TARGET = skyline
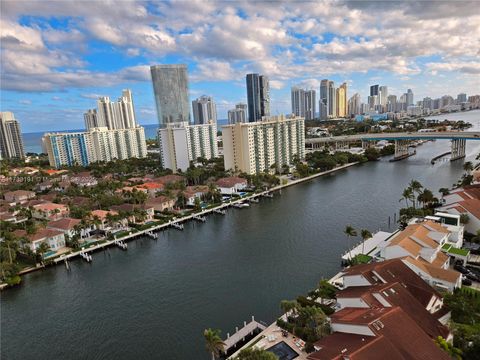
[72, 60]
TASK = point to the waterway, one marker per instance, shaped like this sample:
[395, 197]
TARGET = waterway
[154, 300]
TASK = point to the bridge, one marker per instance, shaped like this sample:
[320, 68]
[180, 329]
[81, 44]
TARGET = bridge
[402, 141]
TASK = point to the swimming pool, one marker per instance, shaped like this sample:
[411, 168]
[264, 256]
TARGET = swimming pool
[283, 351]
[49, 254]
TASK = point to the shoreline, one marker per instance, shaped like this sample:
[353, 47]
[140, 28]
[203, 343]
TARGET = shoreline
[133, 235]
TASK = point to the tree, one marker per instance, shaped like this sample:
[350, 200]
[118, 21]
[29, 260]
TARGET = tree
[416, 189]
[288, 305]
[213, 342]
[326, 290]
[464, 219]
[407, 195]
[350, 232]
[468, 167]
[365, 234]
[372, 154]
[426, 197]
[42, 249]
[444, 192]
[252, 353]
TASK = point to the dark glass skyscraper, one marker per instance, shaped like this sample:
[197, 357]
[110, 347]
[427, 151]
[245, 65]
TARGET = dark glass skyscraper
[258, 96]
[374, 90]
[170, 87]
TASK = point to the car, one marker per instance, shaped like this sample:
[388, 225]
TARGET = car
[461, 269]
[467, 282]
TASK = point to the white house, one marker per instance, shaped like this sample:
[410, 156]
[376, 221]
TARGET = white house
[231, 185]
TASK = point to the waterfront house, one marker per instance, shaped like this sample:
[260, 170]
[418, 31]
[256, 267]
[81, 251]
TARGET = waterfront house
[103, 219]
[130, 208]
[195, 192]
[43, 186]
[84, 180]
[379, 333]
[160, 203]
[152, 188]
[66, 225]
[55, 239]
[50, 211]
[464, 200]
[231, 185]
[18, 196]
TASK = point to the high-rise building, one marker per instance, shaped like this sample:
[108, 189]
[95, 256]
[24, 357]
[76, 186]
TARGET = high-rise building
[383, 96]
[332, 100]
[96, 144]
[204, 110]
[310, 104]
[256, 147]
[372, 102]
[374, 90]
[11, 142]
[392, 103]
[461, 98]
[113, 115]
[170, 87]
[91, 119]
[182, 143]
[323, 101]
[258, 96]
[298, 101]
[341, 101]
[238, 115]
[427, 103]
[355, 105]
[409, 97]
[446, 100]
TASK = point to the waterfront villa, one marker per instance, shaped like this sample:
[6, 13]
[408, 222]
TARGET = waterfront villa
[160, 203]
[130, 208]
[152, 188]
[18, 196]
[195, 192]
[378, 333]
[68, 226]
[231, 185]
[464, 200]
[50, 211]
[103, 218]
[53, 238]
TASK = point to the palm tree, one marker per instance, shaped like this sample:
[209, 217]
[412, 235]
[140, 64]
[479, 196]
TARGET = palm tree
[468, 167]
[407, 195]
[365, 234]
[444, 192]
[425, 197]
[326, 290]
[350, 232]
[213, 343]
[416, 188]
[288, 305]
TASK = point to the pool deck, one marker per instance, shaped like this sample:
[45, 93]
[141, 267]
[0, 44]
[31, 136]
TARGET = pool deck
[261, 341]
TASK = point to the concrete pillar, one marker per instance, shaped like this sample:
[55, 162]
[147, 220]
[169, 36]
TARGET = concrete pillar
[458, 149]
[401, 148]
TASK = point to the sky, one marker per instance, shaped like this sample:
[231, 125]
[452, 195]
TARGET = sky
[57, 57]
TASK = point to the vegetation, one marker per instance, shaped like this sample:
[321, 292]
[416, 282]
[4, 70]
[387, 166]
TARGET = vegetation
[350, 232]
[419, 202]
[464, 304]
[256, 354]
[213, 342]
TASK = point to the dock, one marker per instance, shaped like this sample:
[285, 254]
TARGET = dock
[242, 334]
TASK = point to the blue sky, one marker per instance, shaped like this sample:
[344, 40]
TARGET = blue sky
[58, 56]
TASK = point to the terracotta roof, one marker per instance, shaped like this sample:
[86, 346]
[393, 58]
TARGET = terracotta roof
[130, 207]
[448, 275]
[167, 179]
[152, 186]
[472, 206]
[102, 214]
[43, 233]
[397, 336]
[49, 206]
[473, 190]
[17, 193]
[231, 181]
[64, 224]
[395, 270]
[158, 200]
[397, 295]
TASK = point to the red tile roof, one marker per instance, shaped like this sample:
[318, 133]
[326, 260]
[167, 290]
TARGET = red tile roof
[397, 336]
[167, 179]
[231, 181]
[395, 270]
[64, 224]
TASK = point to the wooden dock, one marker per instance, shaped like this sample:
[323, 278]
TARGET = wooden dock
[242, 333]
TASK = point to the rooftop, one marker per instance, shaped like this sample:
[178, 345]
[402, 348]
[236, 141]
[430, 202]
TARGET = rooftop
[64, 224]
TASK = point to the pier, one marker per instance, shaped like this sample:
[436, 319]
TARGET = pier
[242, 334]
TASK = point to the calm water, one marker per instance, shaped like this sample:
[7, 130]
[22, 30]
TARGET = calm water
[153, 301]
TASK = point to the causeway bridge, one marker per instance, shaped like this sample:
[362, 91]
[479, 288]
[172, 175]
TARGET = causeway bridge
[402, 141]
